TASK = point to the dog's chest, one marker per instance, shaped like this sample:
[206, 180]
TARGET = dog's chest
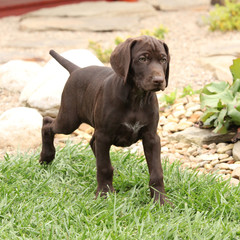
[128, 133]
[133, 127]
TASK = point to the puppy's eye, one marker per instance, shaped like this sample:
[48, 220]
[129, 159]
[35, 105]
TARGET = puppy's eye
[142, 59]
[163, 60]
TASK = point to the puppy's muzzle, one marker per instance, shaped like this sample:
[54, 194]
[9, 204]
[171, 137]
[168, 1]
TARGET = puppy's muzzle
[159, 82]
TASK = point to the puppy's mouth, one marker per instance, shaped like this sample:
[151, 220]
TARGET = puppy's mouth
[158, 88]
[154, 88]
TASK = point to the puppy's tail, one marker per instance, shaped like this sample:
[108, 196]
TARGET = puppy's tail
[63, 61]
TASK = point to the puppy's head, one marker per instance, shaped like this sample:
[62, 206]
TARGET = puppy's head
[144, 61]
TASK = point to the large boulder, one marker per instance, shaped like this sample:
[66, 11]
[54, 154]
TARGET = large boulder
[219, 57]
[16, 74]
[20, 128]
[181, 4]
[89, 16]
[45, 90]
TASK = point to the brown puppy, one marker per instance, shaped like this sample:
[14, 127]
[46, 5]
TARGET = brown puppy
[121, 105]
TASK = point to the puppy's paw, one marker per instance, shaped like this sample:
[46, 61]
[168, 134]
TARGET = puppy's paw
[103, 191]
[46, 158]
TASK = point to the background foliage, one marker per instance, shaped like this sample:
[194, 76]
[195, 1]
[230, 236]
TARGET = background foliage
[225, 18]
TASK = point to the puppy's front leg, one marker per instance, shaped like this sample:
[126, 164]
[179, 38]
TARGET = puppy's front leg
[104, 166]
[151, 144]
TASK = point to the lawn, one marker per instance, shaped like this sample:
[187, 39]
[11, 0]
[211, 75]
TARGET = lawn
[57, 201]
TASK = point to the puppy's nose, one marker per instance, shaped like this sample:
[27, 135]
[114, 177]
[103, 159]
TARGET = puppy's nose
[158, 79]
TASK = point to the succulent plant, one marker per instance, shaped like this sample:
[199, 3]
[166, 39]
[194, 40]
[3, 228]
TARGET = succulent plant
[221, 101]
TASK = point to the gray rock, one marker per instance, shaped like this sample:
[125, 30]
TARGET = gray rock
[218, 58]
[236, 151]
[220, 66]
[201, 136]
[94, 24]
[88, 16]
[20, 128]
[44, 92]
[230, 48]
[90, 9]
[16, 74]
[181, 4]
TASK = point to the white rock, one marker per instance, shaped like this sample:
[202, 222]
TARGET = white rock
[164, 149]
[236, 173]
[171, 118]
[224, 166]
[214, 162]
[188, 113]
[178, 106]
[178, 113]
[170, 127]
[194, 108]
[225, 148]
[44, 92]
[234, 181]
[183, 124]
[223, 156]
[16, 74]
[236, 151]
[208, 157]
[20, 128]
[234, 166]
[162, 120]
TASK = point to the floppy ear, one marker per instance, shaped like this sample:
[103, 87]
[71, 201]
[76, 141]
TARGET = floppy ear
[168, 61]
[121, 58]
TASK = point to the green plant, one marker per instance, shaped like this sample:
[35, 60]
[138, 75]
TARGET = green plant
[222, 102]
[157, 32]
[188, 90]
[102, 54]
[169, 98]
[225, 18]
[118, 40]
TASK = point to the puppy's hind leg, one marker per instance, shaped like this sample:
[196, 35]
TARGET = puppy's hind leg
[48, 149]
[66, 122]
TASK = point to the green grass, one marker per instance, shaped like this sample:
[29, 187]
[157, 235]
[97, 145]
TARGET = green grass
[57, 201]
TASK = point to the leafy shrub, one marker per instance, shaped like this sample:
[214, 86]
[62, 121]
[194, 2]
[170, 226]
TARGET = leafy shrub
[104, 54]
[225, 18]
[222, 102]
[188, 90]
[157, 32]
[169, 98]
